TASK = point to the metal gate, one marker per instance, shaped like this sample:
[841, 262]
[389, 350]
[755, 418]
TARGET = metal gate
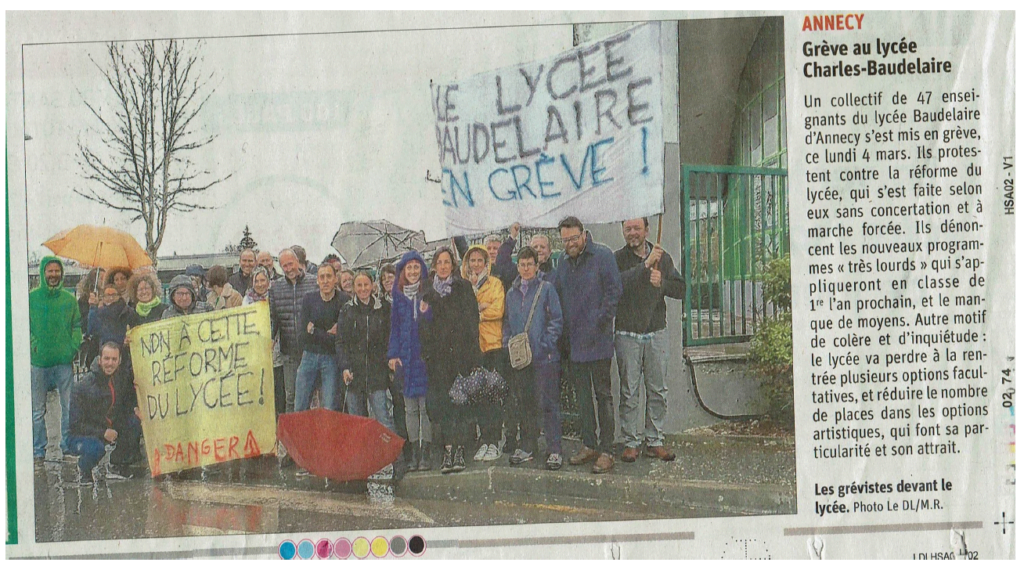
[734, 221]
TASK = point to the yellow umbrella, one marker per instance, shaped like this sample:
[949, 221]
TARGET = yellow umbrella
[99, 246]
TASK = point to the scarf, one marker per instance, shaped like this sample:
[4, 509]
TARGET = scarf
[144, 308]
[255, 297]
[480, 282]
[410, 291]
[524, 285]
[443, 286]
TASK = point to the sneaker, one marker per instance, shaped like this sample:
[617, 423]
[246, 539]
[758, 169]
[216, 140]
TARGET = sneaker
[446, 464]
[301, 473]
[119, 473]
[520, 456]
[479, 456]
[459, 463]
[492, 453]
[554, 462]
[86, 479]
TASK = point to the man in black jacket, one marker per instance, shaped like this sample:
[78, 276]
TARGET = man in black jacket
[641, 339]
[102, 413]
[241, 280]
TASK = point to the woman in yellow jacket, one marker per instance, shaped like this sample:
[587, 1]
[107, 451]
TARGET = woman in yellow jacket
[490, 297]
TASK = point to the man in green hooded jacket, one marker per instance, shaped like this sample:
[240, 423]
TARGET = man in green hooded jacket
[55, 331]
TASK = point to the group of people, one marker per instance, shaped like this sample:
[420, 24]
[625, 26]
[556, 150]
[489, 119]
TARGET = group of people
[392, 347]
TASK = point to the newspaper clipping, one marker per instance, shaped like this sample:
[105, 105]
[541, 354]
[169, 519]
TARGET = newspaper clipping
[511, 285]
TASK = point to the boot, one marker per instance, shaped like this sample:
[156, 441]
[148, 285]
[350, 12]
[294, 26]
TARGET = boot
[446, 464]
[414, 458]
[401, 467]
[459, 463]
[424, 461]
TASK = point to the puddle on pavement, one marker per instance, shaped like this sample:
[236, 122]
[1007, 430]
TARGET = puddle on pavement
[255, 496]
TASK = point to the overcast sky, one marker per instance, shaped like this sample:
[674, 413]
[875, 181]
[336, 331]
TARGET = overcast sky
[316, 130]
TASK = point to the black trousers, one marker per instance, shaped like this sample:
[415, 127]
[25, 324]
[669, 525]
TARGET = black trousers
[129, 432]
[280, 397]
[594, 382]
[450, 421]
[398, 401]
[490, 416]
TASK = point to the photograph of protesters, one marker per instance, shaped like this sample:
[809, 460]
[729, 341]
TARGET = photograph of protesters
[370, 349]
[405, 354]
[535, 387]
[450, 337]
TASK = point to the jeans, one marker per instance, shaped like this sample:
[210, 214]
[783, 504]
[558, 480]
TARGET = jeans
[317, 370]
[291, 370]
[642, 359]
[416, 420]
[594, 380]
[90, 451]
[546, 378]
[43, 380]
[356, 405]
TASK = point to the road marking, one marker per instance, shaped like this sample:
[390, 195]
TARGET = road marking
[328, 503]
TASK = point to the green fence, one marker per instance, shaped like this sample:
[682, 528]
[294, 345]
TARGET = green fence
[735, 220]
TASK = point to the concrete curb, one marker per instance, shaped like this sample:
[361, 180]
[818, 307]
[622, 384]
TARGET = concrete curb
[619, 491]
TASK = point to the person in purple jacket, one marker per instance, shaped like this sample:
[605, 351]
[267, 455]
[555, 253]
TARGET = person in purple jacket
[589, 288]
[404, 353]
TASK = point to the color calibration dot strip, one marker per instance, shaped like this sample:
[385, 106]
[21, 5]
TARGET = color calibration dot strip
[361, 547]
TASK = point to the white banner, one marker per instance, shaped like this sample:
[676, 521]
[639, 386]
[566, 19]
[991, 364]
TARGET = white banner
[578, 134]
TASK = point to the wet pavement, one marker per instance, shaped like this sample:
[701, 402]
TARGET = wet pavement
[712, 477]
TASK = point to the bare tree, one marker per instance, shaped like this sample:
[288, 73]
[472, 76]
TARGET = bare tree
[140, 163]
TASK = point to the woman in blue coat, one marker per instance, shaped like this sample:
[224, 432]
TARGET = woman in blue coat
[404, 352]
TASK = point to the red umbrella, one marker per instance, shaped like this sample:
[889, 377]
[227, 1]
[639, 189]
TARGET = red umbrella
[338, 446]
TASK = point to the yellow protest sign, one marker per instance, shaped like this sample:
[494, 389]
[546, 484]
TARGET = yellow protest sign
[205, 387]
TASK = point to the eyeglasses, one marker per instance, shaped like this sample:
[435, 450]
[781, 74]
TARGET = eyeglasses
[572, 239]
[182, 294]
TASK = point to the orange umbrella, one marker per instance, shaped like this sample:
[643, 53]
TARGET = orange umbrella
[99, 246]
